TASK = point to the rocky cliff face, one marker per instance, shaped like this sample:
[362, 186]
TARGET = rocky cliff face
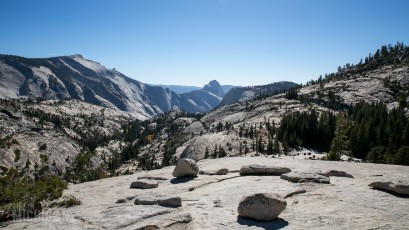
[51, 134]
[215, 88]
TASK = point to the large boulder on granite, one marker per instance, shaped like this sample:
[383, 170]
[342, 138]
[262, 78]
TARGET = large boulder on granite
[144, 184]
[185, 167]
[256, 169]
[402, 187]
[300, 177]
[261, 206]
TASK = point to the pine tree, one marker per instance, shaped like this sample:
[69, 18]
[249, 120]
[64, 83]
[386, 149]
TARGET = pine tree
[402, 156]
[340, 142]
[206, 153]
[215, 152]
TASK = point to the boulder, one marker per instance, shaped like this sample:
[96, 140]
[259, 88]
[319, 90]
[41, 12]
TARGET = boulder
[144, 184]
[171, 202]
[185, 167]
[305, 177]
[338, 173]
[222, 171]
[262, 206]
[402, 187]
[256, 169]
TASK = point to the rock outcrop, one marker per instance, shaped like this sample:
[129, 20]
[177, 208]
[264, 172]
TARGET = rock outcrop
[262, 206]
[256, 169]
[185, 167]
[402, 187]
[301, 177]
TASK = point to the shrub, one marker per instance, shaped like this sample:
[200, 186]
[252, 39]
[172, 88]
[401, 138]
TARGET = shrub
[66, 202]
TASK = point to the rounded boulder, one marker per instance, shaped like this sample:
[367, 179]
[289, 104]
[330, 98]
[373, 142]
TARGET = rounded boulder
[185, 167]
[261, 206]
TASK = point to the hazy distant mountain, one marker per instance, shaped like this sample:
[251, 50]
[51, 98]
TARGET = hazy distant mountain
[227, 88]
[180, 88]
[215, 88]
[75, 77]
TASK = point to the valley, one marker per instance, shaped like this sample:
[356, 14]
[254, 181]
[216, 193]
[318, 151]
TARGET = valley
[71, 121]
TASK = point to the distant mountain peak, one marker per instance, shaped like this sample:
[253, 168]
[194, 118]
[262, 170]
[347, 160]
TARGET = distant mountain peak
[215, 88]
[77, 56]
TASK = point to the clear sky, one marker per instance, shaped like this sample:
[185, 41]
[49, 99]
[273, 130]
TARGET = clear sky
[190, 42]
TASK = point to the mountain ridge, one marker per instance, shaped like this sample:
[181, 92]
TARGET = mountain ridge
[74, 77]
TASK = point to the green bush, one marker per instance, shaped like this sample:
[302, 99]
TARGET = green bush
[66, 202]
[23, 195]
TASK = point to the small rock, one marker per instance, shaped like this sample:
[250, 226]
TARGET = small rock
[338, 174]
[121, 201]
[292, 192]
[144, 184]
[401, 187]
[178, 218]
[185, 167]
[262, 206]
[222, 171]
[305, 177]
[146, 201]
[171, 202]
[162, 201]
[256, 169]
[149, 227]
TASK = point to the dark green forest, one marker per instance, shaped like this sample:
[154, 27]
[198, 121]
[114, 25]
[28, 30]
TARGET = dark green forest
[365, 131]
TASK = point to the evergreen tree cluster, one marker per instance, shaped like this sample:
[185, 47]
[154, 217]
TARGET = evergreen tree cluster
[379, 135]
[308, 129]
[367, 131]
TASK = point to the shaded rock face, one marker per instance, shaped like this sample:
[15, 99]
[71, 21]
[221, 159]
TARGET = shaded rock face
[297, 177]
[402, 187]
[185, 167]
[262, 206]
[144, 184]
[256, 169]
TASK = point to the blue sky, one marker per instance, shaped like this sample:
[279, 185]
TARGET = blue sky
[190, 42]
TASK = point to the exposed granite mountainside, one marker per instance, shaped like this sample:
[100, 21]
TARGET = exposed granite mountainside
[241, 94]
[74, 77]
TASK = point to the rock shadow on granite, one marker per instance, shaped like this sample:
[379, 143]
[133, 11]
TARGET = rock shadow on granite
[395, 194]
[275, 224]
[181, 180]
